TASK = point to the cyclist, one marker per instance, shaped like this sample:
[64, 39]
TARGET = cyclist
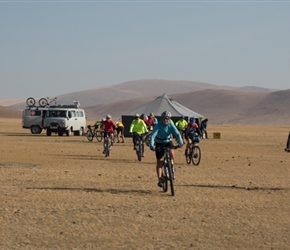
[109, 127]
[151, 122]
[181, 126]
[161, 136]
[137, 126]
[192, 134]
[120, 130]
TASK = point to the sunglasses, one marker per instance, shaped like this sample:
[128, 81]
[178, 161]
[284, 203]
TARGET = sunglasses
[166, 119]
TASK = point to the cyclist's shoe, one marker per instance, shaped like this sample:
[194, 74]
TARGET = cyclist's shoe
[160, 182]
[118, 141]
[195, 155]
[122, 141]
[143, 155]
[104, 151]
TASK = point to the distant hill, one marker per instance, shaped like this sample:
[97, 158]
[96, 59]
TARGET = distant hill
[10, 113]
[137, 89]
[220, 104]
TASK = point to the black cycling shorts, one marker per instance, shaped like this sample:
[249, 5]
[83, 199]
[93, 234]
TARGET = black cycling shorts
[159, 150]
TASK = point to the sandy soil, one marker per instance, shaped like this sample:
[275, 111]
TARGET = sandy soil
[62, 193]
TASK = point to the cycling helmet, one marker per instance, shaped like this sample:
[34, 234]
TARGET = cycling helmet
[166, 114]
[151, 114]
[142, 116]
[191, 120]
[137, 116]
[108, 116]
[103, 119]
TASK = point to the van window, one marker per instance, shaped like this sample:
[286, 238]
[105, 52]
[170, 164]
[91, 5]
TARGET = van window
[81, 114]
[35, 113]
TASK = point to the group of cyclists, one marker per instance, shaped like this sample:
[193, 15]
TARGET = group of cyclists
[161, 135]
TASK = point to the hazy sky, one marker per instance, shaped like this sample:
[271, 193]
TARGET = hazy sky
[49, 48]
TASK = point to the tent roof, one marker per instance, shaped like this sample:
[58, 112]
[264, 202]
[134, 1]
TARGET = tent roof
[163, 103]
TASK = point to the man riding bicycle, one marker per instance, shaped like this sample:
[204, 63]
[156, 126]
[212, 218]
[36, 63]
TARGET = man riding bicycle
[109, 127]
[161, 137]
[192, 134]
[181, 126]
[137, 126]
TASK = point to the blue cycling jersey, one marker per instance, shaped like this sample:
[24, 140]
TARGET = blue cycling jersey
[161, 133]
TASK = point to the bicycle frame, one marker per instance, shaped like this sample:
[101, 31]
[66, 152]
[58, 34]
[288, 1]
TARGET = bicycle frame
[139, 142]
[167, 170]
[108, 143]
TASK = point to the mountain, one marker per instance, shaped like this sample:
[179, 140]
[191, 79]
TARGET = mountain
[137, 89]
[10, 113]
[220, 104]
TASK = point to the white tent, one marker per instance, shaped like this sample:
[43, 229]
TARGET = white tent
[160, 104]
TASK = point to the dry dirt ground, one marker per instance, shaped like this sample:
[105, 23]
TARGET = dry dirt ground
[63, 193]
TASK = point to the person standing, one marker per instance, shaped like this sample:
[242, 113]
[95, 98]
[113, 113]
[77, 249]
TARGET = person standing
[120, 131]
[203, 127]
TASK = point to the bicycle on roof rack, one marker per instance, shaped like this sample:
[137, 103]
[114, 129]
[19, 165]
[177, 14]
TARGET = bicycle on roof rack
[43, 102]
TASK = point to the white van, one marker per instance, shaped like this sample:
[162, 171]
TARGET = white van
[61, 119]
[66, 119]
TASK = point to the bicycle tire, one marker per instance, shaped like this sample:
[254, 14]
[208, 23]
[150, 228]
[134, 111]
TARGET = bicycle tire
[30, 102]
[90, 135]
[165, 178]
[196, 160]
[139, 150]
[107, 147]
[99, 135]
[42, 102]
[170, 173]
[188, 155]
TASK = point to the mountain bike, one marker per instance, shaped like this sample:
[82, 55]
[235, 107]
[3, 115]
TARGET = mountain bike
[91, 132]
[139, 145]
[193, 154]
[108, 144]
[168, 171]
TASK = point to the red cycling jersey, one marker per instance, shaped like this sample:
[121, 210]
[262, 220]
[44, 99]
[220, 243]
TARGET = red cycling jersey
[109, 126]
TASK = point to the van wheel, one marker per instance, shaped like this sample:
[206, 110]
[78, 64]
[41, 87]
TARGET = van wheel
[35, 129]
[48, 132]
[68, 132]
[60, 133]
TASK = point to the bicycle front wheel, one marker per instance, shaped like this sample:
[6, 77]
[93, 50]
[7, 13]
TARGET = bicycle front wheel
[99, 136]
[170, 175]
[139, 151]
[188, 155]
[196, 155]
[107, 147]
[43, 102]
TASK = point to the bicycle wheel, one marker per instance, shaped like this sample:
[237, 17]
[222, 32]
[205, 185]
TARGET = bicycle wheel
[196, 155]
[188, 155]
[107, 147]
[99, 135]
[170, 173]
[139, 150]
[165, 177]
[90, 135]
[43, 102]
[30, 102]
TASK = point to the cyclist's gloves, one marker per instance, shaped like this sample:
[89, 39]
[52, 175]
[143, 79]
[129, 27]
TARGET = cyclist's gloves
[152, 148]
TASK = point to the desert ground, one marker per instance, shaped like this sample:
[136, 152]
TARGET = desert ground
[63, 193]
